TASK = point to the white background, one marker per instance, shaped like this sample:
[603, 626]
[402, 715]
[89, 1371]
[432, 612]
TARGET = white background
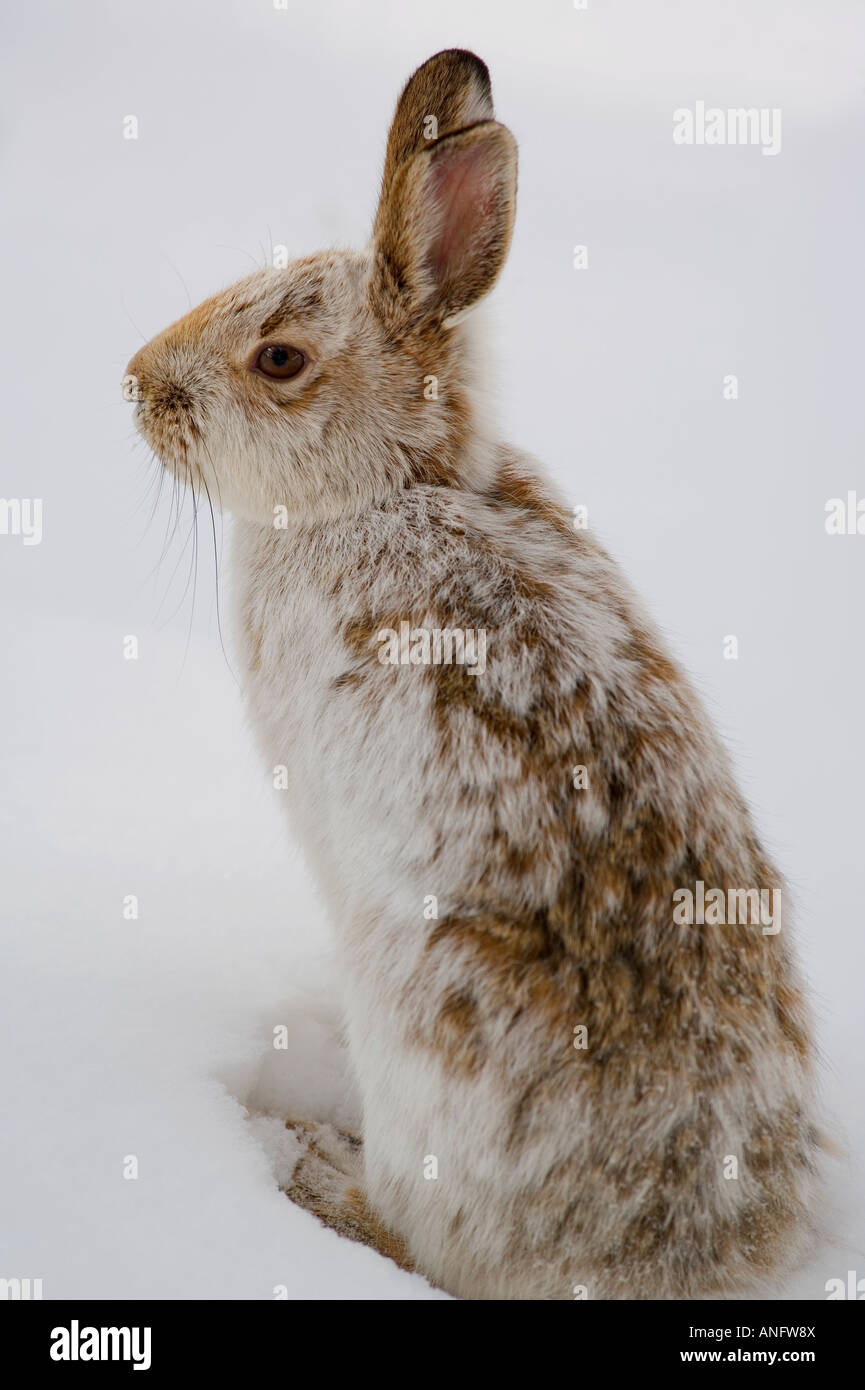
[259, 126]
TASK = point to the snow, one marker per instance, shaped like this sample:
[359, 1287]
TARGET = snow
[152, 1037]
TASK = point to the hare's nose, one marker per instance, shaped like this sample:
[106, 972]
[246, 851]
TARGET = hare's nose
[132, 388]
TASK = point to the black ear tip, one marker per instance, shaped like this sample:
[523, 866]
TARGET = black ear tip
[470, 61]
[464, 61]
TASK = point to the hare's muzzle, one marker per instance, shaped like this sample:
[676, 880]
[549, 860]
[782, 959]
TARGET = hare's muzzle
[165, 388]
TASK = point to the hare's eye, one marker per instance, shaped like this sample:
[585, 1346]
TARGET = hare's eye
[280, 362]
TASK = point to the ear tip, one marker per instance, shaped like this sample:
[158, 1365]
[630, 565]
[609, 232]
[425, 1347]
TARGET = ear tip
[465, 58]
[459, 58]
[458, 62]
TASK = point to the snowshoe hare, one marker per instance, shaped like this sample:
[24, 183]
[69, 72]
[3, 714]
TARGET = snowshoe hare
[582, 1047]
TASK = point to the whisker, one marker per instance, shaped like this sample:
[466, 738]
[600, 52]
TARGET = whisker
[177, 497]
[194, 570]
[180, 278]
[137, 330]
[192, 481]
[155, 483]
[243, 252]
[179, 561]
[160, 481]
[216, 570]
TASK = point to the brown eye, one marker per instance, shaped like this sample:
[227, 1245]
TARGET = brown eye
[281, 362]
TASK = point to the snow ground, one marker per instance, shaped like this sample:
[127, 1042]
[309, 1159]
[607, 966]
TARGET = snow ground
[152, 1037]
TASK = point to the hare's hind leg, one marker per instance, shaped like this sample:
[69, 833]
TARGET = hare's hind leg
[328, 1181]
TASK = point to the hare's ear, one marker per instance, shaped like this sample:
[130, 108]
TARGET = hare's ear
[444, 231]
[448, 92]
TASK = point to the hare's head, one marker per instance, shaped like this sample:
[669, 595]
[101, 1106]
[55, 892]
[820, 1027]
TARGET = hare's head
[325, 386]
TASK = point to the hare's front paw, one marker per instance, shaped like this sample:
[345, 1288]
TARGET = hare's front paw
[327, 1180]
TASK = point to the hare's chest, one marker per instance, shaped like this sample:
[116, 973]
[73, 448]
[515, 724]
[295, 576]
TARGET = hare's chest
[292, 653]
[345, 738]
